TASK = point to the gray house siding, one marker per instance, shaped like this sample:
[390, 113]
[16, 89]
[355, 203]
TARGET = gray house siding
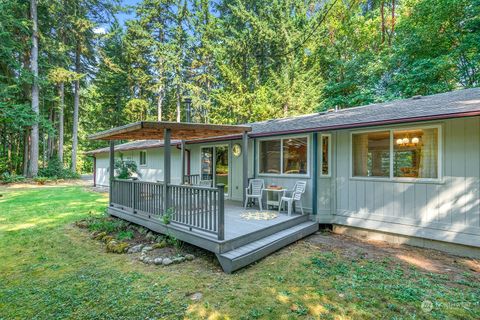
[152, 171]
[448, 210]
[445, 210]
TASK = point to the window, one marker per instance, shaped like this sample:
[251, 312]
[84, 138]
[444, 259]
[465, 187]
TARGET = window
[326, 154]
[270, 156]
[415, 153]
[295, 156]
[371, 154]
[284, 156]
[143, 158]
[402, 153]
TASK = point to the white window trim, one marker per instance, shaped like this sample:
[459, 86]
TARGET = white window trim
[329, 136]
[284, 175]
[140, 158]
[439, 179]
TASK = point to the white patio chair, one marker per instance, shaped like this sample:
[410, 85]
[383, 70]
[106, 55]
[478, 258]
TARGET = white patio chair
[296, 196]
[254, 191]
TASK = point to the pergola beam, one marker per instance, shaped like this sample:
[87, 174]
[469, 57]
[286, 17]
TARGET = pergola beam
[146, 130]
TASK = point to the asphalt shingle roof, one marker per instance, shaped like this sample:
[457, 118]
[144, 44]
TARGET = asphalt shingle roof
[443, 105]
[438, 106]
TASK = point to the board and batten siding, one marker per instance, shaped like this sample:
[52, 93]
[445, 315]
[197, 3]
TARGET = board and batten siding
[152, 171]
[448, 210]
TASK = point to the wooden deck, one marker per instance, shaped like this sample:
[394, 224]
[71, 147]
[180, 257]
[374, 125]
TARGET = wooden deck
[245, 241]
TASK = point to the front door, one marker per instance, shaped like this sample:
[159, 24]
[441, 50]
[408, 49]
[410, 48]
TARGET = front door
[215, 165]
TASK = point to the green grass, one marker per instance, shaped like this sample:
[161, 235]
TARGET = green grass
[50, 269]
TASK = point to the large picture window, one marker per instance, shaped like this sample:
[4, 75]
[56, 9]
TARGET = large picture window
[402, 153]
[284, 156]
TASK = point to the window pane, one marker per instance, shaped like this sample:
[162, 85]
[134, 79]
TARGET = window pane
[416, 153]
[325, 155]
[269, 156]
[295, 156]
[207, 163]
[143, 158]
[371, 154]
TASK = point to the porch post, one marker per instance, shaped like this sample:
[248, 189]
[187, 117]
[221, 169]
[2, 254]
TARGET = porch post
[167, 148]
[112, 170]
[315, 173]
[182, 174]
[245, 163]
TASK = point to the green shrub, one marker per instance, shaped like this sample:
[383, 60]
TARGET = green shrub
[125, 168]
[11, 178]
[122, 235]
[56, 170]
[106, 225]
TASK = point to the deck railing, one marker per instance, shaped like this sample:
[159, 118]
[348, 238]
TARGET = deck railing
[191, 179]
[197, 208]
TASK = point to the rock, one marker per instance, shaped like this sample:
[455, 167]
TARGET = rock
[189, 257]
[167, 261]
[196, 296]
[178, 260]
[148, 260]
[147, 248]
[117, 247]
[157, 261]
[136, 249]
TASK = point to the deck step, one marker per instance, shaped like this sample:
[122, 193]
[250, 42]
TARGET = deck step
[253, 251]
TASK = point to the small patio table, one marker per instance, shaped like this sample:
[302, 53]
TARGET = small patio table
[270, 200]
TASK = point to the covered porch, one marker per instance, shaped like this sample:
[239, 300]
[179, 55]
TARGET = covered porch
[199, 215]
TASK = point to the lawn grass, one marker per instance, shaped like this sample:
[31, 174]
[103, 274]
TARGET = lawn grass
[50, 269]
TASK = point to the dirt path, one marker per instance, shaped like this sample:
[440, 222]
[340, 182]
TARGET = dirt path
[426, 259]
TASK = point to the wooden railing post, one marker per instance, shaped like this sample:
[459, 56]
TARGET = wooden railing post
[221, 211]
[133, 197]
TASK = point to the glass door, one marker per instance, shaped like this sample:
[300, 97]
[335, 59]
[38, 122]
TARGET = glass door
[215, 166]
[207, 164]
[221, 166]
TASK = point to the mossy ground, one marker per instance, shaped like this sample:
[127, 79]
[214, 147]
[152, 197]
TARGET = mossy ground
[50, 269]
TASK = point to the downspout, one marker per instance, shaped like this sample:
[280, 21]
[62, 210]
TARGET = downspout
[315, 174]
[188, 158]
[94, 171]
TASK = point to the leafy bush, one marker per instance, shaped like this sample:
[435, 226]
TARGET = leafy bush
[122, 235]
[56, 170]
[11, 178]
[106, 224]
[125, 168]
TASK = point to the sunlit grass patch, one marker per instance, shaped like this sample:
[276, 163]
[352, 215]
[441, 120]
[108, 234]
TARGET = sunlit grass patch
[50, 269]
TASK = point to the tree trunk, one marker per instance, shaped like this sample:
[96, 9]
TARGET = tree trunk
[382, 14]
[33, 167]
[61, 94]
[160, 102]
[393, 22]
[179, 105]
[26, 152]
[76, 105]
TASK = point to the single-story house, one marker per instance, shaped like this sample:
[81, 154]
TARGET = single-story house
[404, 171]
